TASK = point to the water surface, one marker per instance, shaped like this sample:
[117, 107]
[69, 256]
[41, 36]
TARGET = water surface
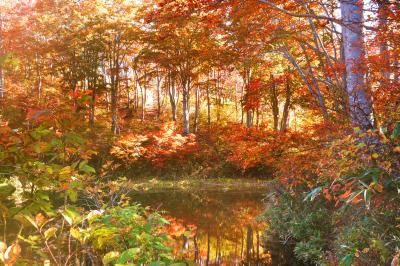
[213, 225]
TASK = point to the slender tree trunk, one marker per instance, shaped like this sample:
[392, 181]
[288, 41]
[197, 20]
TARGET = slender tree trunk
[236, 103]
[172, 96]
[137, 95]
[258, 246]
[249, 112]
[359, 103]
[92, 106]
[258, 117]
[114, 95]
[196, 249]
[286, 107]
[208, 249]
[249, 243]
[1, 83]
[242, 107]
[274, 103]
[128, 94]
[208, 106]
[242, 247]
[197, 109]
[216, 260]
[383, 44]
[186, 106]
[143, 90]
[159, 79]
[1, 54]
[38, 78]
[249, 118]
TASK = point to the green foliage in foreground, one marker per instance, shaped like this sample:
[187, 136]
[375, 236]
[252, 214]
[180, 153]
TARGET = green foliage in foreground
[306, 227]
[55, 210]
[352, 221]
[321, 234]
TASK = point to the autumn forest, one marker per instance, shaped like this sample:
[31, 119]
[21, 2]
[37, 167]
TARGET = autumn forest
[199, 132]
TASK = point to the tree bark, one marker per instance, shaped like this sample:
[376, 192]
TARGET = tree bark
[196, 249]
[92, 105]
[114, 94]
[172, 95]
[1, 54]
[38, 77]
[359, 103]
[208, 106]
[197, 109]
[274, 103]
[185, 105]
[208, 249]
[383, 44]
[249, 243]
[159, 79]
[286, 107]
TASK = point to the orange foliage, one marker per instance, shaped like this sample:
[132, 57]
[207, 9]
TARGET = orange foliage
[157, 147]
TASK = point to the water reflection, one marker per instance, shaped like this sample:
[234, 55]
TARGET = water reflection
[213, 227]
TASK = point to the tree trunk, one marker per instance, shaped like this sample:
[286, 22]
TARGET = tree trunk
[114, 95]
[208, 249]
[92, 106]
[208, 106]
[186, 106]
[249, 118]
[359, 103]
[1, 54]
[197, 109]
[38, 78]
[136, 96]
[196, 249]
[383, 44]
[1, 83]
[144, 92]
[286, 107]
[274, 103]
[249, 243]
[159, 79]
[172, 96]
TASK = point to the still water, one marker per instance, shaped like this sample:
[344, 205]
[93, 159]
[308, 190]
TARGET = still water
[213, 226]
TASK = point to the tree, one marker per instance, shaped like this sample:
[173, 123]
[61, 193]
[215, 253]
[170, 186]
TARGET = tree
[353, 43]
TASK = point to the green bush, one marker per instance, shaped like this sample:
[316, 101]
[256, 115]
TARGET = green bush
[369, 238]
[306, 226]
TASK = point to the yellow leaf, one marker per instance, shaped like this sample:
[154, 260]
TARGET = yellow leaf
[375, 155]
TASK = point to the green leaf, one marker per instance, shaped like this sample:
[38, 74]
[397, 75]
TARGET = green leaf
[396, 131]
[128, 255]
[71, 215]
[49, 233]
[157, 263]
[84, 167]
[347, 260]
[110, 257]
[6, 190]
[311, 196]
[75, 233]
[72, 195]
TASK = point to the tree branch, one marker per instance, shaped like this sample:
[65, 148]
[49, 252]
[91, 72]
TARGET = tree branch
[338, 21]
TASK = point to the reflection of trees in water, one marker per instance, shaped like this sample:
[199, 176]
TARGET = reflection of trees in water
[226, 230]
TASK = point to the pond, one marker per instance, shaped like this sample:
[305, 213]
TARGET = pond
[217, 224]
